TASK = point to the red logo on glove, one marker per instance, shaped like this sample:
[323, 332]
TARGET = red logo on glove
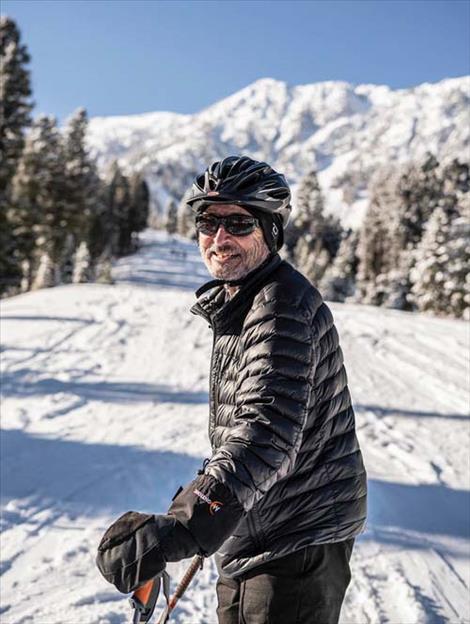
[214, 506]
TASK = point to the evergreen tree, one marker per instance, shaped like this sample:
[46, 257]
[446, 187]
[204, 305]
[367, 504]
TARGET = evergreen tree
[38, 209]
[104, 269]
[15, 102]
[313, 238]
[419, 191]
[53, 229]
[82, 265]
[47, 274]
[83, 186]
[140, 202]
[338, 282]
[378, 247]
[441, 276]
[171, 221]
[10, 262]
[185, 218]
[100, 235]
[311, 258]
[308, 214]
[15, 108]
[118, 208]
[401, 200]
[402, 206]
[456, 180]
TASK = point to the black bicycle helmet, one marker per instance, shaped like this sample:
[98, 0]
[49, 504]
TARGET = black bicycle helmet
[245, 182]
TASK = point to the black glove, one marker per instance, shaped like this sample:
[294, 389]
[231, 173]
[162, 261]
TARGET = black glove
[209, 512]
[137, 546]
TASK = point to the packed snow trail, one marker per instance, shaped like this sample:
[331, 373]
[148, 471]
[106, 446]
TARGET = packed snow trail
[104, 410]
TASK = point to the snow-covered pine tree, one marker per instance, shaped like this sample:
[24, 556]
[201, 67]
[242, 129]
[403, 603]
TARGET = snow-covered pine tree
[47, 275]
[51, 201]
[171, 217]
[338, 281]
[400, 199]
[313, 238]
[83, 186]
[379, 248]
[15, 109]
[456, 180]
[307, 217]
[441, 275]
[419, 190]
[82, 265]
[38, 208]
[103, 269]
[15, 98]
[185, 218]
[25, 214]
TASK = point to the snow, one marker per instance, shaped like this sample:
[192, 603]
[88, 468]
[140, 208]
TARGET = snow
[105, 409]
[330, 126]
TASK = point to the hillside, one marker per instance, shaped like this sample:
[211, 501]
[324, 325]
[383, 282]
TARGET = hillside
[344, 131]
[104, 409]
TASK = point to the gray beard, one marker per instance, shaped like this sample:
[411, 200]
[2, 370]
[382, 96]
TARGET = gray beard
[255, 256]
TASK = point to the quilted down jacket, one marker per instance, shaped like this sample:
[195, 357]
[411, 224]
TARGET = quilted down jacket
[281, 422]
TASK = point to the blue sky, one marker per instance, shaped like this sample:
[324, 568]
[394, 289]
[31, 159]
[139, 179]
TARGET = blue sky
[119, 57]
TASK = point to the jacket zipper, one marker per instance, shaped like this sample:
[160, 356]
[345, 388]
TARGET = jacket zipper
[213, 406]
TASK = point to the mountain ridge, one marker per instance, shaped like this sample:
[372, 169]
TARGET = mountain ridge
[343, 131]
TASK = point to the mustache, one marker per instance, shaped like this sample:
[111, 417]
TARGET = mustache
[225, 248]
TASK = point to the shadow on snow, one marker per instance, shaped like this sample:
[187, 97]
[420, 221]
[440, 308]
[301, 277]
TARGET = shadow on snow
[81, 478]
[74, 478]
[381, 412]
[16, 383]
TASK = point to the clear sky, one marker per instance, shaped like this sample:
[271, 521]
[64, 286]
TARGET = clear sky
[120, 57]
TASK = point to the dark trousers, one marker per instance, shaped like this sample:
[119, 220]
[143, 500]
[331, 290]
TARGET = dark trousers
[305, 587]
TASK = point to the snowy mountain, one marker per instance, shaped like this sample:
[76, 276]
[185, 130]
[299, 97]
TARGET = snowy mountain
[343, 131]
[105, 408]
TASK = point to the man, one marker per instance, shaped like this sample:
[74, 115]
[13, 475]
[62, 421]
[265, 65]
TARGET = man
[284, 494]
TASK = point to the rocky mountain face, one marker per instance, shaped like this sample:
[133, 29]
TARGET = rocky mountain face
[344, 132]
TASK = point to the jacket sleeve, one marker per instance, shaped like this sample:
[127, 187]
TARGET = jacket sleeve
[273, 393]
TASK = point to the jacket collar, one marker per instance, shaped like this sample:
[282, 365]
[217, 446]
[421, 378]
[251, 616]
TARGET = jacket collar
[221, 313]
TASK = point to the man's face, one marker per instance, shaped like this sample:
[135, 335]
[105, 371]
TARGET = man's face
[231, 257]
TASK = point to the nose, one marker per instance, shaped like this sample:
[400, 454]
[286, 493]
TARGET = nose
[221, 235]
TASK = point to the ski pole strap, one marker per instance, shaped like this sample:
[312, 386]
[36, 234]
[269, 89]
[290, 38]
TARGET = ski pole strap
[144, 599]
[194, 566]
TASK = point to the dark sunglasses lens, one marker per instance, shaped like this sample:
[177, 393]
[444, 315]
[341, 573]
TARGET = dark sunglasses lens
[237, 225]
[240, 226]
[207, 225]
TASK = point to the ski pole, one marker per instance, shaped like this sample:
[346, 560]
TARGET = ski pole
[194, 566]
[144, 599]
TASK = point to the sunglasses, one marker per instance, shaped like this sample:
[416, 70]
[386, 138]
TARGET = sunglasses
[234, 224]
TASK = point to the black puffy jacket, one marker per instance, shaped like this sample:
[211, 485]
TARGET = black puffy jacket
[281, 422]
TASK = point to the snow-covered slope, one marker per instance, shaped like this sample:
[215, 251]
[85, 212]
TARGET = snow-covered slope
[335, 127]
[105, 410]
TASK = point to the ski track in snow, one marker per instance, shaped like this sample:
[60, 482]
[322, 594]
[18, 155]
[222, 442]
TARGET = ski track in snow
[104, 409]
